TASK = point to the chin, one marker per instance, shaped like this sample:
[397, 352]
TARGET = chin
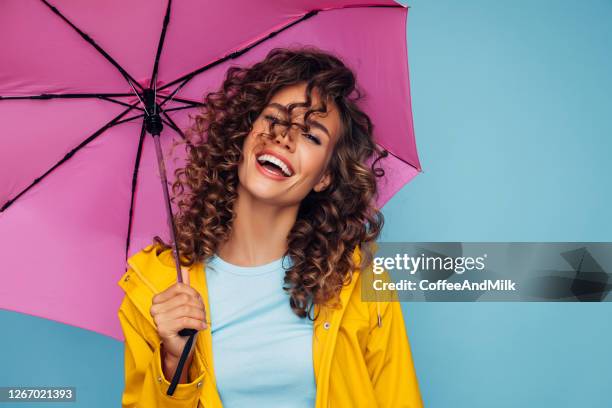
[266, 194]
[259, 191]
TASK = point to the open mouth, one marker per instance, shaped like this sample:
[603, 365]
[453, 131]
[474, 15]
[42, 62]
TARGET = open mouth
[274, 165]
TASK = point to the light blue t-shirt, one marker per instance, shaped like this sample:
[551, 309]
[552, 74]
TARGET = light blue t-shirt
[262, 351]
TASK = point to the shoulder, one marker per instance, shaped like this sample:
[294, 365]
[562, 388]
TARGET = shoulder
[352, 299]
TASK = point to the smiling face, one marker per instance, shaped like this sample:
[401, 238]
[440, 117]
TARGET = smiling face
[294, 161]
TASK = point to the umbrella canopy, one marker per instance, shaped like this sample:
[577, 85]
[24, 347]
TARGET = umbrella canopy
[80, 189]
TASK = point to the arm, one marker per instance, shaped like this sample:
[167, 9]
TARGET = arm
[145, 383]
[389, 359]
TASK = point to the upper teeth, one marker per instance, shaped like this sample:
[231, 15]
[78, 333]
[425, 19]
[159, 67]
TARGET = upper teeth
[277, 161]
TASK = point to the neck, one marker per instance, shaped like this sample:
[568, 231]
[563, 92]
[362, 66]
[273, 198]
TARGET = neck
[259, 231]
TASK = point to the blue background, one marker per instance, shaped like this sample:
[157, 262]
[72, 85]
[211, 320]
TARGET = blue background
[511, 105]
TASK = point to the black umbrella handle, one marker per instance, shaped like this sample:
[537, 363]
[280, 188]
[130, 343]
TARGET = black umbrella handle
[187, 332]
[181, 363]
[179, 277]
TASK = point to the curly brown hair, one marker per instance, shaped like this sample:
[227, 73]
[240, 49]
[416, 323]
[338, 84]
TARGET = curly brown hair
[331, 223]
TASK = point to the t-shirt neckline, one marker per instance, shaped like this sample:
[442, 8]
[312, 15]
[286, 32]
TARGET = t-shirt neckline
[222, 265]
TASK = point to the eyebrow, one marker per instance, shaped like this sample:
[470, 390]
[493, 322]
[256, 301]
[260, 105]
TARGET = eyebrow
[311, 122]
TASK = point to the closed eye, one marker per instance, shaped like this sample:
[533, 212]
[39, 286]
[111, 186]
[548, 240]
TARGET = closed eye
[309, 136]
[271, 119]
[312, 137]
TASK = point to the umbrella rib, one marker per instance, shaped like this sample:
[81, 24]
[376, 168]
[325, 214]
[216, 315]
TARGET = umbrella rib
[88, 39]
[192, 104]
[104, 97]
[68, 156]
[364, 5]
[189, 102]
[160, 45]
[168, 121]
[187, 77]
[134, 183]
[181, 108]
[139, 98]
[130, 119]
[68, 96]
[171, 96]
[420, 170]
[121, 103]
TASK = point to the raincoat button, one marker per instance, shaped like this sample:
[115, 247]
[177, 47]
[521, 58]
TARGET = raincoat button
[199, 384]
[127, 278]
[159, 379]
[326, 325]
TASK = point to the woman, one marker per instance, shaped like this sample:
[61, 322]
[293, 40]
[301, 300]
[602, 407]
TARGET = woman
[276, 219]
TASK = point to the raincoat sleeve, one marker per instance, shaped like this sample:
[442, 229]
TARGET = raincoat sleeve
[389, 359]
[145, 384]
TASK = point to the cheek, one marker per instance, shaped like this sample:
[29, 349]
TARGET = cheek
[313, 162]
[249, 143]
[254, 137]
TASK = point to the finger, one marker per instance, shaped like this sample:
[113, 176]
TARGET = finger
[167, 294]
[178, 300]
[173, 291]
[170, 319]
[194, 312]
[171, 328]
[185, 323]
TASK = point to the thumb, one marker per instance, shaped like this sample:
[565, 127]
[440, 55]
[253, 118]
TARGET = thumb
[185, 275]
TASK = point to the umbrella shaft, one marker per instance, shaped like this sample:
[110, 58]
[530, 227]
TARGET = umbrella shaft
[171, 226]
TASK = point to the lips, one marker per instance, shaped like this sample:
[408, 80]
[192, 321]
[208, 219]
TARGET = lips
[278, 156]
[266, 172]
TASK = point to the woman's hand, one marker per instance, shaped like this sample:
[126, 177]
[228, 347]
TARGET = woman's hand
[178, 307]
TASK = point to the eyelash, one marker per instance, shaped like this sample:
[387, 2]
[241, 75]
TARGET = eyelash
[310, 136]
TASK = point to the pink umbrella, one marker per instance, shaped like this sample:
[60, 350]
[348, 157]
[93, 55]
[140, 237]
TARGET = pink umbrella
[80, 189]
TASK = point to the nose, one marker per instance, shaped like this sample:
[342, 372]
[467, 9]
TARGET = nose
[284, 138]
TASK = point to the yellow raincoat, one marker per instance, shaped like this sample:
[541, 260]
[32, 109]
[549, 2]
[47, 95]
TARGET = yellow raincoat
[361, 354]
